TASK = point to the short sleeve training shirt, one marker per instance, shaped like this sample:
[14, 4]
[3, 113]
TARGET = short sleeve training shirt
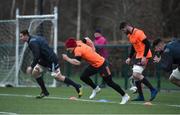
[136, 39]
[88, 54]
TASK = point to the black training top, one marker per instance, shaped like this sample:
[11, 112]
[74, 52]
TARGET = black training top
[41, 50]
[170, 55]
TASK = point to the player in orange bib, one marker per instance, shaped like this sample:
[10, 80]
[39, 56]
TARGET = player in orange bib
[97, 64]
[140, 49]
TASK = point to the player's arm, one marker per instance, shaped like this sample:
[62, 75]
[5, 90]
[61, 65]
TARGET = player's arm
[166, 60]
[74, 61]
[146, 50]
[132, 51]
[36, 53]
[89, 42]
[147, 47]
[131, 54]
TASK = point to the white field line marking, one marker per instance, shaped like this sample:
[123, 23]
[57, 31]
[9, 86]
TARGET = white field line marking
[84, 100]
[7, 113]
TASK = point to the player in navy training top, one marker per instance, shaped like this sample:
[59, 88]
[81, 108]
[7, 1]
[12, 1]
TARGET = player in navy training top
[168, 55]
[44, 58]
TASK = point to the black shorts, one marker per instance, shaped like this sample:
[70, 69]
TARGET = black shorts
[51, 66]
[102, 70]
[138, 62]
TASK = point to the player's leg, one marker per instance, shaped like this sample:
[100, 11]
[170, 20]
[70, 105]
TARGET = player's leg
[175, 81]
[85, 77]
[137, 74]
[103, 84]
[137, 70]
[59, 77]
[106, 75]
[133, 87]
[37, 73]
[175, 77]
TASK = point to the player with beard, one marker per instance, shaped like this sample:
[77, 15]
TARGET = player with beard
[140, 50]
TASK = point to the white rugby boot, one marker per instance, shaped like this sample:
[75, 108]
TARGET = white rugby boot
[96, 90]
[125, 99]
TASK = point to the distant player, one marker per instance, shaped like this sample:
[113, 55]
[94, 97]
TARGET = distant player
[101, 40]
[140, 49]
[97, 64]
[44, 58]
[167, 55]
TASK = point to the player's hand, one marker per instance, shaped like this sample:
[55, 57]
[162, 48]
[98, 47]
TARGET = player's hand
[90, 43]
[65, 57]
[128, 60]
[156, 59]
[29, 70]
[143, 60]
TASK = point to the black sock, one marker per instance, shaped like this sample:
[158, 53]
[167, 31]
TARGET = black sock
[139, 88]
[40, 81]
[88, 81]
[70, 82]
[116, 87]
[147, 83]
[113, 85]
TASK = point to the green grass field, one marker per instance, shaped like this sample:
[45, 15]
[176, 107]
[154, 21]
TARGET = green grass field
[22, 101]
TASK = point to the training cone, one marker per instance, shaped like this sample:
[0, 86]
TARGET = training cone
[148, 103]
[72, 98]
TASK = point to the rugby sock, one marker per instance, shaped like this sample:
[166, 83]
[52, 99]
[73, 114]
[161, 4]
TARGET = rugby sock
[112, 84]
[147, 83]
[40, 81]
[88, 81]
[70, 82]
[116, 87]
[139, 88]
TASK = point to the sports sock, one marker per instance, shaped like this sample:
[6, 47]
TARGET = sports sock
[40, 81]
[70, 82]
[113, 85]
[116, 87]
[147, 83]
[139, 88]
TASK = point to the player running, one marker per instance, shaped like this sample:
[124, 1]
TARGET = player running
[141, 50]
[44, 58]
[167, 55]
[97, 64]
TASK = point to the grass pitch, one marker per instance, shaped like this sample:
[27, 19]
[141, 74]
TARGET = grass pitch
[22, 101]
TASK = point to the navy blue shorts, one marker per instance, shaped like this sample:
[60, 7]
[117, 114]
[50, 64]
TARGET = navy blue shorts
[51, 66]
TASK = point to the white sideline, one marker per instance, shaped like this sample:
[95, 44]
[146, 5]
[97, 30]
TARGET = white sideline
[84, 100]
[8, 113]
